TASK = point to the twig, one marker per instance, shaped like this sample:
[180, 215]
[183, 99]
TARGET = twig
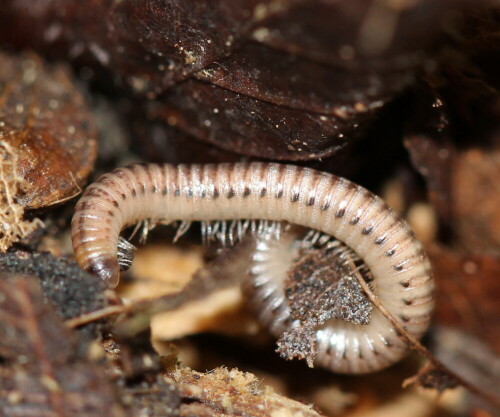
[421, 349]
[95, 315]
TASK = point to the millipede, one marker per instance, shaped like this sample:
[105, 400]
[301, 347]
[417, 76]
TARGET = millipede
[272, 192]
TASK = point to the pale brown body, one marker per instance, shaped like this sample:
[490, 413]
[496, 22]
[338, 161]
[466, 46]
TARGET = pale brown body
[165, 193]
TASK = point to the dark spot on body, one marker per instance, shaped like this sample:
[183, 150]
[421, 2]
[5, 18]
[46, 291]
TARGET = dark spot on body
[134, 193]
[380, 240]
[101, 193]
[295, 197]
[165, 191]
[246, 192]
[154, 189]
[405, 284]
[230, 193]
[123, 196]
[143, 188]
[354, 220]
[390, 252]
[190, 192]
[325, 206]
[340, 213]
[263, 192]
[177, 192]
[407, 302]
[310, 201]
[398, 267]
[116, 204]
[279, 194]
[216, 193]
[367, 230]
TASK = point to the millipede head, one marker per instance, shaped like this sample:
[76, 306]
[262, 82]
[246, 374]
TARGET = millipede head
[106, 269]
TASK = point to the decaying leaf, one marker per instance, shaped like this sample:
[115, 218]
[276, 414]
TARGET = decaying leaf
[293, 80]
[45, 121]
[42, 372]
[248, 126]
[148, 45]
[298, 83]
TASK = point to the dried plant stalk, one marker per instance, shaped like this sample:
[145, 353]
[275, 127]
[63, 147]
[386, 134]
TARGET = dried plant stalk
[13, 226]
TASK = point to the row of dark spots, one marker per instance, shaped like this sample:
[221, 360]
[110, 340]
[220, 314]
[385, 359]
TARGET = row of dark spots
[360, 353]
[216, 193]
[102, 194]
[121, 174]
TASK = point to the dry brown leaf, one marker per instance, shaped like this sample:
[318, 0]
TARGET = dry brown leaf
[45, 120]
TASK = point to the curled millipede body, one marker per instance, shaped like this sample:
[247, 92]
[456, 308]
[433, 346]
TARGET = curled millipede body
[342, 346]
[402, 277]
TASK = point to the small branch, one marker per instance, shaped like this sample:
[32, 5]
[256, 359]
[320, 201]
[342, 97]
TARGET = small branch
[421, 349]
[95, 315]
